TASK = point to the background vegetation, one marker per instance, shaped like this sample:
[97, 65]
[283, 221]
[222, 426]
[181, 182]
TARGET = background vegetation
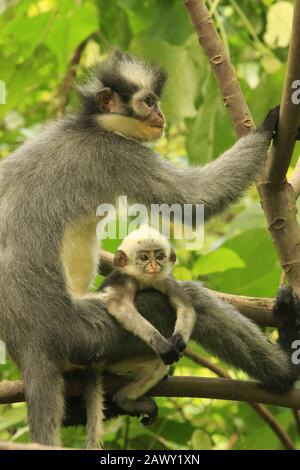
[42, 45]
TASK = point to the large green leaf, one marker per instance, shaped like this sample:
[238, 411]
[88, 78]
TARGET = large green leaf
[12, 416]
[184, 74]
[279, 24]
[261, 273]
[217, 261]
[74, 22]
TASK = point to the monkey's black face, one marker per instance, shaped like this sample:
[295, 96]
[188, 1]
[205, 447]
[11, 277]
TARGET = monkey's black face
[127, 99]
[145, 106]
[146, 119]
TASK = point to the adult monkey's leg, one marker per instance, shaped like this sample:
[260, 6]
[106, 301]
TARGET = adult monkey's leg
[222, 330]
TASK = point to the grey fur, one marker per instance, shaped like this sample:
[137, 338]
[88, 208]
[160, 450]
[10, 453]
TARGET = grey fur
[65, 172]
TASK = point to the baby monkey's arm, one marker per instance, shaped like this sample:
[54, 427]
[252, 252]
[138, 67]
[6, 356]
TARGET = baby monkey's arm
[119, 300]
[185, 313]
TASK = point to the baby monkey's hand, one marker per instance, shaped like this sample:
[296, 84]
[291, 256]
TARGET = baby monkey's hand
[170, 353]
[178, 341]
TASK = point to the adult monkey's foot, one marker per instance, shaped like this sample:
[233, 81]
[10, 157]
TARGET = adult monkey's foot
[287, 314]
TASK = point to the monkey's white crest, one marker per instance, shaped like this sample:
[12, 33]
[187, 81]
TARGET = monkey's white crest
[129, 69]
[137, 72]
[146, 236]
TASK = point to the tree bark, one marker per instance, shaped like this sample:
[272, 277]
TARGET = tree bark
[278, 201]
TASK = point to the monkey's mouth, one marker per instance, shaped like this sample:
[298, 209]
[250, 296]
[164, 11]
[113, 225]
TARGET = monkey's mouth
[157, 122]
[161, 127]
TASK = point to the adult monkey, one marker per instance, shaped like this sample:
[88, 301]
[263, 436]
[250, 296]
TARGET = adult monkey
[50, 189]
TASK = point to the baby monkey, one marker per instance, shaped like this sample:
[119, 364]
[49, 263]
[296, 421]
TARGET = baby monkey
[145, 260]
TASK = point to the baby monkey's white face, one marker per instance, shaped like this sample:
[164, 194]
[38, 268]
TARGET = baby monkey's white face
[146, 264]
[152, 262]
[146, 255]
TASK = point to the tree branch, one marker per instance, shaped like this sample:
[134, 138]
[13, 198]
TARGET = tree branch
[289, 118]
[295, 179]
[68, 80]
[257, 309]
[16, 446]
[277, 196]
[192, 387]
[263, 412]
[221, 65]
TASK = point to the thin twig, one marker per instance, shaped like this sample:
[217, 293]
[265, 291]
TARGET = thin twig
[32, 446]
[297, 420]
[126, 432]
[68, 81]
[221, 65]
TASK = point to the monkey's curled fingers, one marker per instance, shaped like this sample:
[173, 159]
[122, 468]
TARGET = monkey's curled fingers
[270, 122]
[178, 342]
[151, 413]
[170, 354]
[287, 313]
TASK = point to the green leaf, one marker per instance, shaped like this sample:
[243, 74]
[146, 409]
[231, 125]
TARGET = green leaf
[211, 133]
[13, 31]
[182, 89]
[217, 261]
[74, 23]
[279, 24]
[12, 416]
[261, 273]
[251, 217]
[182, 273]
[200, 440]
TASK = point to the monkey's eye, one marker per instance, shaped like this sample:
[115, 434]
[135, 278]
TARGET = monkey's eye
[160, 256]
[149, 100]
[143, 257]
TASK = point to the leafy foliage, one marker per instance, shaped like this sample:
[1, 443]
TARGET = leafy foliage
[39, 40]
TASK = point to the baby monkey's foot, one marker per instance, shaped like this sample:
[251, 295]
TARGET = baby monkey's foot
[152, 413]
[144, 406]
[287, 314]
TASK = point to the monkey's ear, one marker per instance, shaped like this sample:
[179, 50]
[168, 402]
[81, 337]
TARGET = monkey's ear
[172, 257]
[103, 97]
[120, 259]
